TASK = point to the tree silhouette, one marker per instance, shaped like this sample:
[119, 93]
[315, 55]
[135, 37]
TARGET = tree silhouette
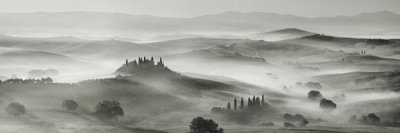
[314, 95]
[327, 104]
[201, 125]
[235, 104]
[228, 106]
[262, 99]
[241, 104]
[15, 109]
[69, 105]
[249, 103]
[373, 119]
[109, 110]
[258, 101]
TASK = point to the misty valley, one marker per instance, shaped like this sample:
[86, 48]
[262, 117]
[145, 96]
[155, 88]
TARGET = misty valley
[213, 75]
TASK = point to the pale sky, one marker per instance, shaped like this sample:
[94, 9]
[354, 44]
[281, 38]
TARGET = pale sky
[192, 8]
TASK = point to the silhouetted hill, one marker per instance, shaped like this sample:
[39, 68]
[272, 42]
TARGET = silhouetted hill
[147, 71]
[283, 34]
[189, 44]
[35, 58]
[81, 48]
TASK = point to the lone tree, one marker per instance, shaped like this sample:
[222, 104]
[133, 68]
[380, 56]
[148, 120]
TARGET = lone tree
[314, 95]
[201, 125]
[373, 119]
[327, 104]
[15, 109]
[108, 110]
[69, 105]
[235, 104]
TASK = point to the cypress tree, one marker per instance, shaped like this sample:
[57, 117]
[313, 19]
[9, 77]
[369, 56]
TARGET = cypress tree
[235, 104]
[241, 103]
[254, 99]
[249, 103]
[258, 101]
[228, 106]
[262, 99]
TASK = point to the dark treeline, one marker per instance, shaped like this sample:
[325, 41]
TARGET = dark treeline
[27, 81]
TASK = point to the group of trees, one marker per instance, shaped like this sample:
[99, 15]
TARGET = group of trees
[142, 65]
[144, 62]
[323, 102]
[108, 110]
[252, 103]
[201, 125]
[363, 52]
[105, 110]
[27, 81]
[37, 73]
[302, 121]
[370, 119]
[311, 85]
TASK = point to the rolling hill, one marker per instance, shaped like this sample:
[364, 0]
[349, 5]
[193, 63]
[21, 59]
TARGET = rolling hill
[379, 47]
[79, 48]
[283, 34]
[35, 58]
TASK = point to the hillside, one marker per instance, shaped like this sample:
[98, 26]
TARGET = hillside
[36, 58]
[283, 34]
[189, 44]
[80, 48]
[362, 81]
[380, 47]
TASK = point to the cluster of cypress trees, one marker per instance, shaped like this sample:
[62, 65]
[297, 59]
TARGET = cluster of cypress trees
[363, 52]
[252, 103]
[144, 62]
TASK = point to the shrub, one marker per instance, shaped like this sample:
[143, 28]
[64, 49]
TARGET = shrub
[287, 116]
[201, 125]
[314, 85]
[353, 119]
[15, 109]
[303, 123]
[297, 117]
[288, 124]
[108, 110]
[69, 105]
[267, 124]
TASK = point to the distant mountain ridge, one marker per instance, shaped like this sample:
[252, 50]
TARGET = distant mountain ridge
[125, 24]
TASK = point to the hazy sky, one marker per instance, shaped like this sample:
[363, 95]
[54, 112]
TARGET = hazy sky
[190, 8]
